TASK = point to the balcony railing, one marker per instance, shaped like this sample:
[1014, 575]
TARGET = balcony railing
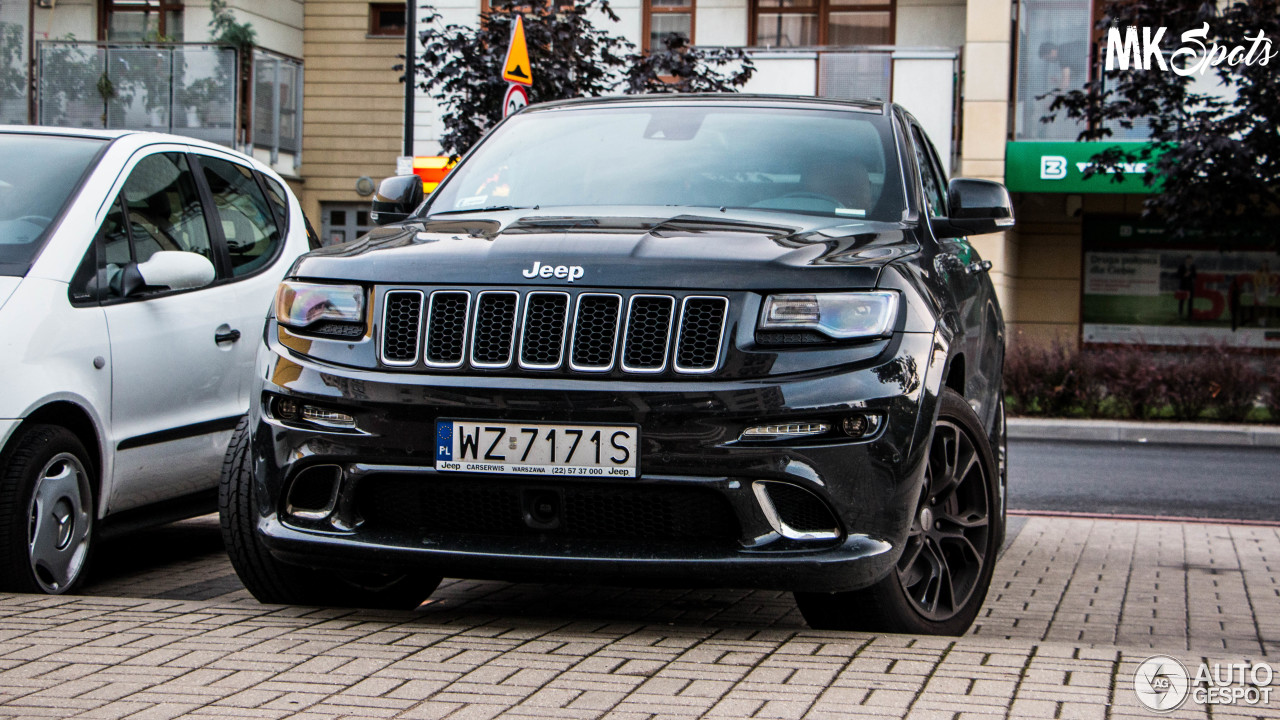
[191, 89]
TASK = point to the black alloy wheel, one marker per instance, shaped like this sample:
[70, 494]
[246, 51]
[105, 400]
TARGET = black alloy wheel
[946, 549]
[940, 581]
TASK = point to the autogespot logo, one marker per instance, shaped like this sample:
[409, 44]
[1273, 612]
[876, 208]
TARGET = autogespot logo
[1162, 683]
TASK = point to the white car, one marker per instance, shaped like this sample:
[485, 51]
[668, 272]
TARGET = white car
[136, 271]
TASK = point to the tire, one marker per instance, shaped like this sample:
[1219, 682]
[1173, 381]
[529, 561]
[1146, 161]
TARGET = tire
[939, 583]
[275, 582]
[46, 511]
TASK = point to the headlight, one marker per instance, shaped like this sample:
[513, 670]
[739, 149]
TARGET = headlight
[842, 316]
[302, 305]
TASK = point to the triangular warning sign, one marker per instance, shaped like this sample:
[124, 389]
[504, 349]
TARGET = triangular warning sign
[516, 69]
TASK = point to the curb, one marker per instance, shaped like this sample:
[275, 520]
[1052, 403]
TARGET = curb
[1169, 433]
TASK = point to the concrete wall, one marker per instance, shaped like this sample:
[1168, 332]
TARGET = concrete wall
[930, 23]
[352, 104]
[69, 17]
[984, 125]
[278, 23]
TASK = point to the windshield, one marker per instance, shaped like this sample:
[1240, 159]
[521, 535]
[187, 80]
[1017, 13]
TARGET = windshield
[37, 176]
[825, 162]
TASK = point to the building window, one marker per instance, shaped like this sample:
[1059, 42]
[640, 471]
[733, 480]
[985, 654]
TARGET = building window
[386, 20]
[806, 23]
[140, 20]
[560, 6]
[664, 17]
[343, 222]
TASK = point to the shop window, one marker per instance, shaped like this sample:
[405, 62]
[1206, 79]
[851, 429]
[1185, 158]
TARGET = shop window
[805, 23]
[662, 18]
[140, 20]
[386, 19]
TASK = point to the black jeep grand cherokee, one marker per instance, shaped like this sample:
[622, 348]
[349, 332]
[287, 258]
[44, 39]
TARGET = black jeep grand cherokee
[692, 340]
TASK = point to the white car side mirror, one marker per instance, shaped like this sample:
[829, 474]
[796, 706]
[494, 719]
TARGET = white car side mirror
[177, 270]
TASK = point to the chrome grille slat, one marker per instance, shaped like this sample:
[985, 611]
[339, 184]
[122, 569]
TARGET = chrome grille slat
[544, 326]
[446, 340]
[648, 324]
[700, 334]
[493, 329]
[401, 326]
[596, 318]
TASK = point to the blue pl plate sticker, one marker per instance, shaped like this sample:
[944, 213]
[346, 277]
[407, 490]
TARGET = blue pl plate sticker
[444, 440]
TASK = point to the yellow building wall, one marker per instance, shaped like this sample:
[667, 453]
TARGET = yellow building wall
[353, 104]
[1045, 300]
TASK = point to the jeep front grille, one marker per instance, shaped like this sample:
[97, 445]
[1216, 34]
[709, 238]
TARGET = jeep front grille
[595, 332]
[545, 320]
[553, 330]
[447, 328]
[401, 319]
[494, 329]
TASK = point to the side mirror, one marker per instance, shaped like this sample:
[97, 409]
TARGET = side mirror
[396, 199]
[169, 269]
[977, 207]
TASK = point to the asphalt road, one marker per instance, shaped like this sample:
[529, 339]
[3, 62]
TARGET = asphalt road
[1141, 479]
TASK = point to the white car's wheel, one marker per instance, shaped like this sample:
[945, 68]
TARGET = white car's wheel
[46, 511]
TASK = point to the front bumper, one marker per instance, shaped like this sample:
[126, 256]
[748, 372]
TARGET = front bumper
[692, 462]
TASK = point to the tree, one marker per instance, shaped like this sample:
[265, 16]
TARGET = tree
[1217, 153]
[461, 65]
[226, 31]
[681, 67]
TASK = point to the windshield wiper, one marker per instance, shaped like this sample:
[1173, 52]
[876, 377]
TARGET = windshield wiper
[491, 208]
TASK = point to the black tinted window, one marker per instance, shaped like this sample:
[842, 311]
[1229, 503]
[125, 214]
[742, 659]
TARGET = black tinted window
[835, 162]
[935, 194]
[37, 176]
[247, 219]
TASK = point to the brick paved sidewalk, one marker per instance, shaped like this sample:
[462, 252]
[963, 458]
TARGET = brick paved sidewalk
[1076, 605]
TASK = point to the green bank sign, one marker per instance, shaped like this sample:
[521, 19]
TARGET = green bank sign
[1059, 167]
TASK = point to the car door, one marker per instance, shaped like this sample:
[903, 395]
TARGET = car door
[965, 273]
[251, 212]
[175, 377]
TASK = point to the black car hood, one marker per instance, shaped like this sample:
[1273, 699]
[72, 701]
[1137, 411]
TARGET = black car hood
[707, 249]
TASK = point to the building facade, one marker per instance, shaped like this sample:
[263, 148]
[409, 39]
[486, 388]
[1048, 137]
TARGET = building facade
[155, 65]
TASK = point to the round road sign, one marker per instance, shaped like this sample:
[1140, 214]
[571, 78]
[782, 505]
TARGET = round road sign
[517, 97]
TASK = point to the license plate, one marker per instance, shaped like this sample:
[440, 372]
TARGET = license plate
[537, 449]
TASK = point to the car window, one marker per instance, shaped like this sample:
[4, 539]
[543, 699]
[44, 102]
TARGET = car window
[164, 208]
[38, 175]
[935, 195]
[158, 209]
[247, 219]
[111, 243]
[279, 203]
[833, 163]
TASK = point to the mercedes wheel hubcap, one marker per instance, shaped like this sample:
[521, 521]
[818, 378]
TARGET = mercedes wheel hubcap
[60, 520]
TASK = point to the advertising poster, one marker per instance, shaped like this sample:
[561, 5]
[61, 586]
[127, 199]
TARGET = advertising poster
[1140, 287]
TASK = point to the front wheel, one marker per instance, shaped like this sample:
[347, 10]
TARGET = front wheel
[940, 581]
[271, 581]
[46, 511]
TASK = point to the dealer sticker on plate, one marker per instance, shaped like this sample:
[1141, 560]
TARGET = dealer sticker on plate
[537, 449]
